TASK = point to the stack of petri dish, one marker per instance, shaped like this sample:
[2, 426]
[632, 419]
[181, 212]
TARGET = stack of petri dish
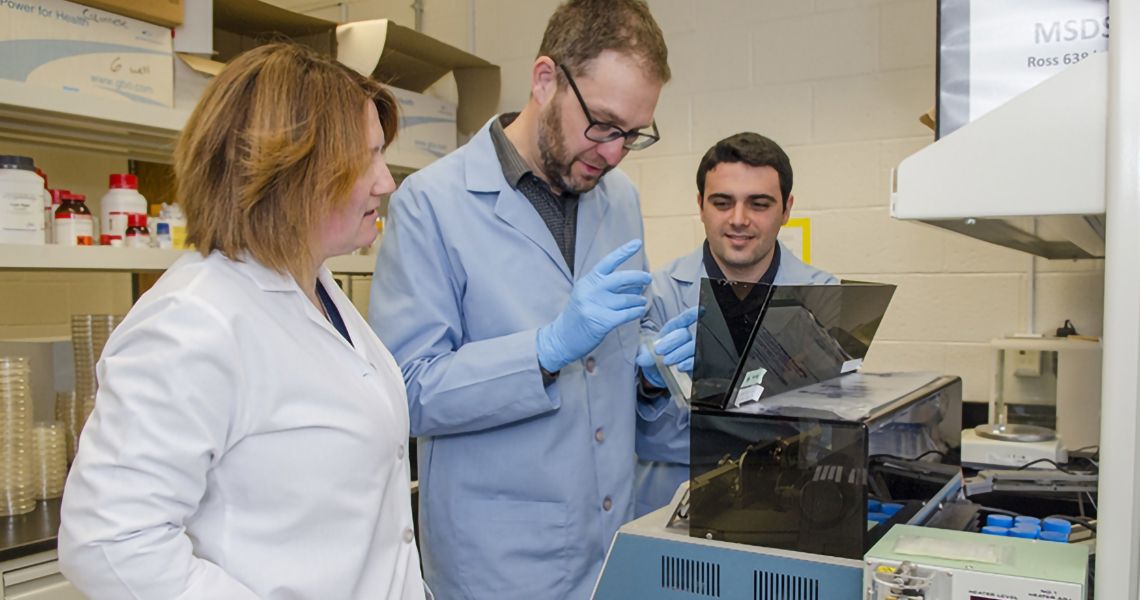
[49, 459]
[67, 413]
[16, 490]
[89, 335]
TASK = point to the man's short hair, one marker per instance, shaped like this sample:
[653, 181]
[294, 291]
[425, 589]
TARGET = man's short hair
[751, 149]
[580, 30]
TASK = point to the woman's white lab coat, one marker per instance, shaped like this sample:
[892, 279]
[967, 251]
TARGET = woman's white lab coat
[241, 448]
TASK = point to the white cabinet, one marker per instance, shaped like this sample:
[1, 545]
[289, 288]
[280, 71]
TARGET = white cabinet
[36, 577]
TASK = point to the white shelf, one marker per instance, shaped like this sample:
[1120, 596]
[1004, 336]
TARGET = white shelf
[107, 125]
[50, 257]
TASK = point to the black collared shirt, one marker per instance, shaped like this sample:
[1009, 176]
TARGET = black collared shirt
[740, 314]
[714, 271]
[558, 211]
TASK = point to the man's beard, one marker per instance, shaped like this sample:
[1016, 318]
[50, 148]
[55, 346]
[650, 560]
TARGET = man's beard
[552, 154]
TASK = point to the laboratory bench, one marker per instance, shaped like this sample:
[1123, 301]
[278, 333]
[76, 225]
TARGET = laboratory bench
[31, 533]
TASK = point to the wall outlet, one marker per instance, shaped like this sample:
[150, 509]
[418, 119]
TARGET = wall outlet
[1027, 363]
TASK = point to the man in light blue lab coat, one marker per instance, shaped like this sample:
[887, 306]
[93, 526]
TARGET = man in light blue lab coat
[509, 288]
[744, 194]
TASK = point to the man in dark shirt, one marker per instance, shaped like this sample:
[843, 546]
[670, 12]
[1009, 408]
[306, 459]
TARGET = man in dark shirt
[744, 194]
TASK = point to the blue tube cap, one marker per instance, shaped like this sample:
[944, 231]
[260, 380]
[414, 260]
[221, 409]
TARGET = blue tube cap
[1027, 521]
[1023, 532]
[891, 508]
[1054, 536]
[995, 530]
[878, 517]
[1057, 525]
[874, 505]
[1000, 521]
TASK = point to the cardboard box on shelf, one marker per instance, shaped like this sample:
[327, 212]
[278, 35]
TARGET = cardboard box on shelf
[216, 31]
[72, 48]
[159, 12]
[427, 130]
[408, 60]
[192, 74]
[240, 25]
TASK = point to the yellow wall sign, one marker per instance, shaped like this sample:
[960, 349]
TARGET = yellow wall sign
[796, 235]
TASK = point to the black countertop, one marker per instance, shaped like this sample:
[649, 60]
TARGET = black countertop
[34, 532]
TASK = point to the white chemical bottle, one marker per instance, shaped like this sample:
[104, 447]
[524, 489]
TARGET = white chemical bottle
[21, 201]
[122, 199]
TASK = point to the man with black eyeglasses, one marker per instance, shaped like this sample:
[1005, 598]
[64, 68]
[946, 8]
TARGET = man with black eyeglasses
[509, 287]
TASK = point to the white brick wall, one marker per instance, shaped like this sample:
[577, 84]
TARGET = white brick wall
[840, 84]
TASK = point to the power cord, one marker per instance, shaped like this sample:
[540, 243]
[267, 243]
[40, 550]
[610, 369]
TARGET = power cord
[917, 458]
[1051, 462]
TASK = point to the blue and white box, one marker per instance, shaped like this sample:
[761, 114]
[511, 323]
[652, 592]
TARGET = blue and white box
[62, 46]
[427, 130]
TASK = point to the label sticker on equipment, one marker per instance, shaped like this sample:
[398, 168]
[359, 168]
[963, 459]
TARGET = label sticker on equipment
[753, 378]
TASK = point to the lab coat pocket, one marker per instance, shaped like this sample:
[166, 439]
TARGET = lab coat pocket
[515, 549]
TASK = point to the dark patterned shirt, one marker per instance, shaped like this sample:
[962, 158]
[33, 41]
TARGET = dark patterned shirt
[558, 211]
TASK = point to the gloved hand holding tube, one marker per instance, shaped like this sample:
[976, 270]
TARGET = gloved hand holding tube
[674, 343]
[599, 302]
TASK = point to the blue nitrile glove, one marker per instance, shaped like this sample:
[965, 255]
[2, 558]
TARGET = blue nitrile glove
[599, 303]
[674, 343]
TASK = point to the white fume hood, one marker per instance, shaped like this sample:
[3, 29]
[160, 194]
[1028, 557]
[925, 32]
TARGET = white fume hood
[1029, 175]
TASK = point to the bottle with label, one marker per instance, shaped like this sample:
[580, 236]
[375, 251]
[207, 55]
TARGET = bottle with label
[162, 235]
[56, 200]
[171, 214]
[49, 210]
[21, 201]
[136, 235]
[74, 225]
[122, 199]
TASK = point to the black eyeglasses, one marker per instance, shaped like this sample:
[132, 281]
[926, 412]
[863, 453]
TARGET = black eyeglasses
[601, 132]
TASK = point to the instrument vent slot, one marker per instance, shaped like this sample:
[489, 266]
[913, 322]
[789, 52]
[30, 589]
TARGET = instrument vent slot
[696, 577]
[778, 586]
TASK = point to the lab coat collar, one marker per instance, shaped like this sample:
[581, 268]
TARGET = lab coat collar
[691, 267]
[483, 173]
[267, 279]
[592, 209]
[794, 271]
[271, 281]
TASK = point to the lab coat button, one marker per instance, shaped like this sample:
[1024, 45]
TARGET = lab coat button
[591, 364]
[409, 535]
[607, 504]
[400, 451]
[600, 435]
